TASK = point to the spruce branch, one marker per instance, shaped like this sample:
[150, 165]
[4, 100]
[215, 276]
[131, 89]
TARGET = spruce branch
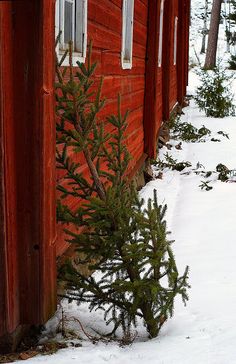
[124, 243]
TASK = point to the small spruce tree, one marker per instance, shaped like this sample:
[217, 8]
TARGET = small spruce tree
[232, 62]
[125, 244]
[214, 96]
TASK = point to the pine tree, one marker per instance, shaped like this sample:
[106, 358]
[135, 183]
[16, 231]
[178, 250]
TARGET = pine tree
[205, 16]
[231, 34]
[210, 61]
[124, 243]
[214, 94]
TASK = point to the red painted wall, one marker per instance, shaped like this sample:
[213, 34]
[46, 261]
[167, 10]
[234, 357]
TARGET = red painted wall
[159, 85]
[173, 67]
[105, 29]
[165, 85]
[27, 130]
[183, 54]
[9, 297]
[27, 138]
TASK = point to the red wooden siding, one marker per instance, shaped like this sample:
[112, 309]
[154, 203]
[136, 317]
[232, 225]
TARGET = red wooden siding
[165, 85]
[105, 29]
[153, 91]
[173, 67]
[28, 244]
[182, 55]
[28, 279]
[9, 297]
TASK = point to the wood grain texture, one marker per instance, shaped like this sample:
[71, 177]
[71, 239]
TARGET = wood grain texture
[3, 286]
[153, 98]
[28, 141]
[9, 291]
[105, 31]
[182, 60]
[160, 87]
[27, 130]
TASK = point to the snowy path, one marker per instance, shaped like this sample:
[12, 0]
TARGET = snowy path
[203, 225]
[204, 228]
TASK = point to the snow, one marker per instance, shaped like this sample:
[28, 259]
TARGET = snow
[204, 229]
[203, 226]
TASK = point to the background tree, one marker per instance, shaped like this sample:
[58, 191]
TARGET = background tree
[231, 33]
[227, 12]
[210, 61]
[205, 16]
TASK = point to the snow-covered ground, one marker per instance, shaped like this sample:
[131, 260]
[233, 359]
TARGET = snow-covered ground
[203, 226]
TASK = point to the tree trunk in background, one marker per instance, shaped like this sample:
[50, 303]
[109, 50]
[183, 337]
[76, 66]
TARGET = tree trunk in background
[204, 31]
[210, 61]
[227, 23]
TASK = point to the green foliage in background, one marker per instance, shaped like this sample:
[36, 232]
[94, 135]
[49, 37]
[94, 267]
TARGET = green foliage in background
[214, 95]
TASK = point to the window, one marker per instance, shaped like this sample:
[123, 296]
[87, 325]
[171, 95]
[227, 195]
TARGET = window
[175, 40]
[71, 21]
[127, 34]
[161, 33]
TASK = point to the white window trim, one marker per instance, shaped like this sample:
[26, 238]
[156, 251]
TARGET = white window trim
[76, 56]
[175, 40]
[160, 45]
[124, 63]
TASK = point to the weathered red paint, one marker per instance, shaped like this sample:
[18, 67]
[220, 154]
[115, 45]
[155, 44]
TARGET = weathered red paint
[28, 286]
[153, 101]
[27, 130]
[105, 29]
[173, 67]
[166, 83]
[9, 295]
[182, 56]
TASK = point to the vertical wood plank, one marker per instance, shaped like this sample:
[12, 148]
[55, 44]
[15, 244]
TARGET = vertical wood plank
[166, 58]
[9, 290]
[183, 49]
[27, 165]
[150, 115]
[35, 166]
[48, 286]
[2, 202]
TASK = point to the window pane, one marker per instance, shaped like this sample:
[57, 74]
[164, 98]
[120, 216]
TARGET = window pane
[79, 26]
[68, 22]
[128, 30]
[175, 40]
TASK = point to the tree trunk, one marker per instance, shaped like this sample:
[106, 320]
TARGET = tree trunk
[210, 61]
[204, 31]
[228, 24]
[153, 326]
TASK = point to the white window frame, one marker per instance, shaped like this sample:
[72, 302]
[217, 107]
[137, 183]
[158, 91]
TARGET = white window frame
[160, 45]
[79, 26]
[175, 40]
[127, 38]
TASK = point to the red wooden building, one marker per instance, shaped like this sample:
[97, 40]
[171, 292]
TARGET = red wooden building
[142, 51]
